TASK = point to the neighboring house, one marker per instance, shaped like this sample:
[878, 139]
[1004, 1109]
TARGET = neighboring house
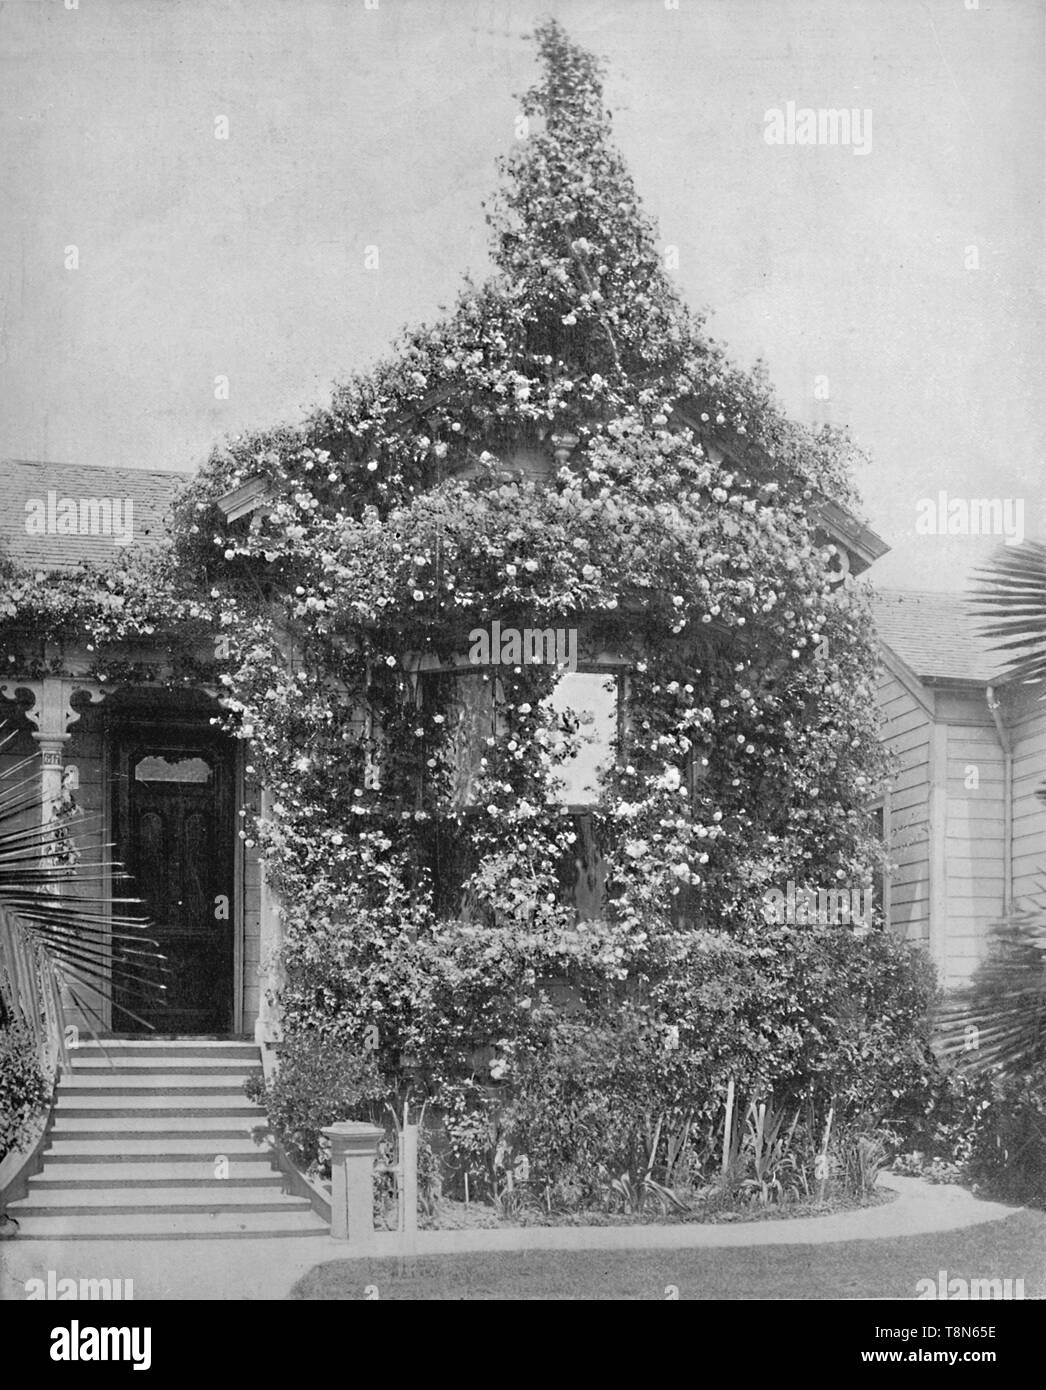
[962, 819]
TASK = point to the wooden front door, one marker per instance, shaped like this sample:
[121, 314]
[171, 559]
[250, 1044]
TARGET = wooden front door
[174, 832]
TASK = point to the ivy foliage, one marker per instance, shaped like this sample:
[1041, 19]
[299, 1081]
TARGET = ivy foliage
[413, 509]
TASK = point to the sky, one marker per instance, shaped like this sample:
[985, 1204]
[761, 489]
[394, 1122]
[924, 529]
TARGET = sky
[898, 291]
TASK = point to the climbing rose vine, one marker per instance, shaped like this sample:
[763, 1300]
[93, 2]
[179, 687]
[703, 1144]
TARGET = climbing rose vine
[565, 448]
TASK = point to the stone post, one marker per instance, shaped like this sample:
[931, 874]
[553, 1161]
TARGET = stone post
[354, 1145]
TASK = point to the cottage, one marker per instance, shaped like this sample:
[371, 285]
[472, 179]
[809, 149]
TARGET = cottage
[165, 788]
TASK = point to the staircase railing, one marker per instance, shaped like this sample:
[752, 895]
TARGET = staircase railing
[30, 993]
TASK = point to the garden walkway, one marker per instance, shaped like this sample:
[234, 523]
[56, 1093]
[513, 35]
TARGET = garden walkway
[268, 1269]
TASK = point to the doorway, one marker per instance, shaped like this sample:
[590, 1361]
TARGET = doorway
[173, 821]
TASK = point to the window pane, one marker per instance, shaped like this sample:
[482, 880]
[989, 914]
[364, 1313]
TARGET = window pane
[587, 703]
[470, 722]
[157, 768]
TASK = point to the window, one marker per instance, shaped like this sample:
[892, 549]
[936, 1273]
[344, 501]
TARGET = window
[468, 707]
[156, 767]
[587, 709]
[587, 705]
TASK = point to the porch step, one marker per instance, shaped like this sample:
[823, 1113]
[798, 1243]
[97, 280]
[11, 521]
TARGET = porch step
[128, 1201]
[169, 1082]
[138, 1127]
[134, 1149]
[146, 1048]
[240, 1225]
[153, 1126]
[192, 1171]
[159, 1064]
[89, 1105]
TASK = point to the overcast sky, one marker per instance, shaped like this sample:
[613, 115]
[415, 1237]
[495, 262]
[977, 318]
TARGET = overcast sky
[351, 127]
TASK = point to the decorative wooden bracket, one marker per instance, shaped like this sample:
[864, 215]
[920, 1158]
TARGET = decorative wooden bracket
[51, 713]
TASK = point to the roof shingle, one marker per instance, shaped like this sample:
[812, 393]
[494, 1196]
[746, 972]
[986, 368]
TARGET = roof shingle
[38, 532]
[937, 635]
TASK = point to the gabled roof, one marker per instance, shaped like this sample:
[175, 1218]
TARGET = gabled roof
[31, 498]
[937, 635]
[862, 545]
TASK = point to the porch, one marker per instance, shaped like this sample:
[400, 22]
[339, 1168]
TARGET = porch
[158, 789]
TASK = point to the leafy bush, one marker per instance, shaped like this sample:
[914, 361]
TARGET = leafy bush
[815, 1015]
[1008, 1144]
[318, 1083]
[589, 1100]
[919, 1165]
[984, 1129]
[803, 1020]
[23, 1086]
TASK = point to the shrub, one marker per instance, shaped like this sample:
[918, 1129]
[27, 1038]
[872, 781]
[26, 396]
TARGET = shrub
[318, 1083]
[984, 1129]
[589, 1100]
[1008, 1143]
[633, 1084]
[812, 1014]
[23, 1086]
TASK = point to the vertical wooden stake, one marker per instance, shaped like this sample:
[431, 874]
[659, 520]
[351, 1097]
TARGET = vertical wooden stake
[409, 1158]
[824, 1156]
[728, 1127]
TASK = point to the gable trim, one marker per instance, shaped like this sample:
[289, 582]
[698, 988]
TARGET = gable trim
[902, 672]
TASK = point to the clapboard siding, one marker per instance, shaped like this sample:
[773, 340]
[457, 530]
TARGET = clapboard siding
[947, 817]
[1029, 812]
[974, 843]
[905, 732]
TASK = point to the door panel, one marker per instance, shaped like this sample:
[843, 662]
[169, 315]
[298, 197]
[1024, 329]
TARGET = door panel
[174, 833]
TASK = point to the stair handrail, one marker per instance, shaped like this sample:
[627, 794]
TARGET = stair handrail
[31, 994]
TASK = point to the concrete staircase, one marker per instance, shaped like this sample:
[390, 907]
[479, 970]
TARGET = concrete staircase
[140, 1129]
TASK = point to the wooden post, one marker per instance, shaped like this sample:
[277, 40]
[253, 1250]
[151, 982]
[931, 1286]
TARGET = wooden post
[354, 1146]
[409, 1164]
[727, 1129]
[823, 1180]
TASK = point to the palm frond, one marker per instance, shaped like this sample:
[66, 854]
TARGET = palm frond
[998, 1024]
[96, 949]
[1009, 594]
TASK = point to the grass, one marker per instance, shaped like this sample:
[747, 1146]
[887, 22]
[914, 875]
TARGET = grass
[1014, 1248]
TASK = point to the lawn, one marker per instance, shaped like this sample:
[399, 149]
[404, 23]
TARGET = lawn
[1011, 1249]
